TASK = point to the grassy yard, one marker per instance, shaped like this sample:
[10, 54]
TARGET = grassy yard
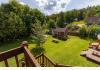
[78, 22]
[65, 52]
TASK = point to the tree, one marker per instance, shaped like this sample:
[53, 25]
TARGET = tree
[93, 31]
[91, 12]
[38, 37]
[51, 24]
[16, 20]
[60, 20]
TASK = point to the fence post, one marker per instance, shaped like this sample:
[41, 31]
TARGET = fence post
[25, 44]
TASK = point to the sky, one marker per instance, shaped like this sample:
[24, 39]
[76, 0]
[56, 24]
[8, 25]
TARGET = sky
[49, 7]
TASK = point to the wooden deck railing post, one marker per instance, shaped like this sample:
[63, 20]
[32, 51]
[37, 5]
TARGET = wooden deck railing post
[25, 44]
[29, 60]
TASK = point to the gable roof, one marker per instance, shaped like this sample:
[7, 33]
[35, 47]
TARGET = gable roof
[60, 29]
[94, 19]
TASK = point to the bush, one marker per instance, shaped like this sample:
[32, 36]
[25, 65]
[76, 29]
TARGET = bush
[64, 38]
[93, 31]
[72, 27]
[83, 32]
[38, 50]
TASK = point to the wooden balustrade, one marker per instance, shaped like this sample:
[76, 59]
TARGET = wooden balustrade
[29, 59]
[23, 49]
[44, 61]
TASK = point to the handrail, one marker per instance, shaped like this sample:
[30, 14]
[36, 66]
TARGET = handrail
[31, 59]
[46, 62]
[49, 60]
[10, 53]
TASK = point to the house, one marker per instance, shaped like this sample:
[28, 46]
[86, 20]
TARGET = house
[60, 32]
[93, 20]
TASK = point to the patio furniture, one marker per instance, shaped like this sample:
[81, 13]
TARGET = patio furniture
[94, 45]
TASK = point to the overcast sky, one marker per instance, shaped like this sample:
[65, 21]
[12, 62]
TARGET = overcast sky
[54, 6]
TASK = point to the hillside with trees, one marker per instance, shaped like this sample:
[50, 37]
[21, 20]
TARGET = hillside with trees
[75, 15]
[16, 21]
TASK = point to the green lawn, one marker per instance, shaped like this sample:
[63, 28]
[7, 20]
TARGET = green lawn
[78, 22]
[65, 52]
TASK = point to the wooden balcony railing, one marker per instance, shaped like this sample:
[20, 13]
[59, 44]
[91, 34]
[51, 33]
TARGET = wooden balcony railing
[29, 59]
[44, 61]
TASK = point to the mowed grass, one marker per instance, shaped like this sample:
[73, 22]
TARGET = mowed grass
[68, 52]
[65, 52]
[78, 22]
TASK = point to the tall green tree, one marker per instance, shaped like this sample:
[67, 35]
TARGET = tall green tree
[60, 20]
[16, 20]
[38, 32]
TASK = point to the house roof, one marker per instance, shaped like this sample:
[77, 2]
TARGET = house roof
[60, 29]
[94, 19]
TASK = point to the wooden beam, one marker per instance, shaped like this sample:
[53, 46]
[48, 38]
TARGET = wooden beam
[10, 53]
[30, 58]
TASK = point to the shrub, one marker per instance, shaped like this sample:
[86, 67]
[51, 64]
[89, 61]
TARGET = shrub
[83, 32]
[72, 27]
[38, 50]
[90, 32]
[93, 31]
[64, 38]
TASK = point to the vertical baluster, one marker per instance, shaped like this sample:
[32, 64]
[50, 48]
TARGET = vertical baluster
[46, 62]
[17, 62]
[37, 60]
[40, 60]
[43, 60]
[6, 63]
[26, 60]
